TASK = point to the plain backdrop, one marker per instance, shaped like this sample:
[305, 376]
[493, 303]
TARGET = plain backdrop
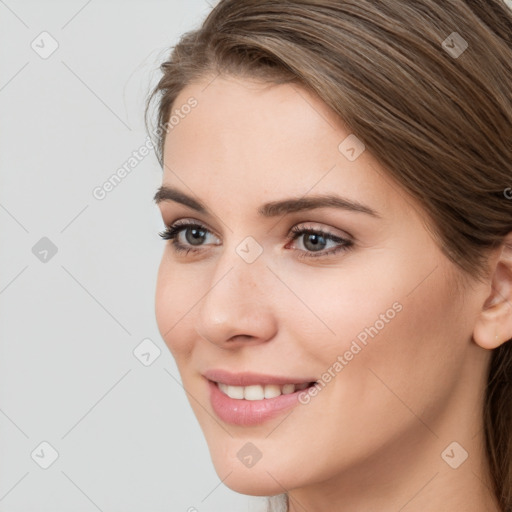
[85, 425]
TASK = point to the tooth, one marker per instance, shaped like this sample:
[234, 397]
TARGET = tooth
[235, 392]
[288, 388]
[271, 391]
[254, 392]
[259, 392]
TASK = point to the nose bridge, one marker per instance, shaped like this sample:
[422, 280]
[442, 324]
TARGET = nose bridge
[236, 302]
[242, 264]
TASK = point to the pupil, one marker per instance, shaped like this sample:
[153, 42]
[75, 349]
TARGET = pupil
[315, 240]
[197, 236]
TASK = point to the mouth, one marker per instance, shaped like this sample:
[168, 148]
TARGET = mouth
[253, 404]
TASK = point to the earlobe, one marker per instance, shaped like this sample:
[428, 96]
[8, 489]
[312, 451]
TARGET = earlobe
[493, 326]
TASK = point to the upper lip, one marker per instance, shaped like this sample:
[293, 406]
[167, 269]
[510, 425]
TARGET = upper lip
[250, 378]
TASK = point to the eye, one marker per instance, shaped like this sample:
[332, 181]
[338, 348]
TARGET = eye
[194, 234]
[315, 241]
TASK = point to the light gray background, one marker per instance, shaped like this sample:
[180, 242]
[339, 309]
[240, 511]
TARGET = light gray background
[125, 434]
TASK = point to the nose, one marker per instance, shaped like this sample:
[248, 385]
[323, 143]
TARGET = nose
[238, 307]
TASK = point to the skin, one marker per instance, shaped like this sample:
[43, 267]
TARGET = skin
[372, 438]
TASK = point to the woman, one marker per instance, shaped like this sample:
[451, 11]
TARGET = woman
[336, 287]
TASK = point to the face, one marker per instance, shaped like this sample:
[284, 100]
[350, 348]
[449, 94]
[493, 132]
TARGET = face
[299, 261]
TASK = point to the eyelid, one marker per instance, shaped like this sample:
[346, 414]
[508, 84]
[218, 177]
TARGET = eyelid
[188, 221]
[306, 226]
[333, 232]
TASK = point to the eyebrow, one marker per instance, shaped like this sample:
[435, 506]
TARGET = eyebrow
[273, 208]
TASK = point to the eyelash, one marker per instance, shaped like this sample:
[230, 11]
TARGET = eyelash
[172, 232]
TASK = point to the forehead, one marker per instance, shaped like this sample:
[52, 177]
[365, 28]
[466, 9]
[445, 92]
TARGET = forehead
[237, 117]
[266, 140]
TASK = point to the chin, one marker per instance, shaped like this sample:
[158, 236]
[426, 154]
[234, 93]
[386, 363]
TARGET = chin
[251, 483]
[264, 478]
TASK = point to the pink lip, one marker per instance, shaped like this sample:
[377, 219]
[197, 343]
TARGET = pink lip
[249, 379]
[249, 412]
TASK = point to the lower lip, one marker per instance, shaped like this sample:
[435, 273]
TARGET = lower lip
[249, 412]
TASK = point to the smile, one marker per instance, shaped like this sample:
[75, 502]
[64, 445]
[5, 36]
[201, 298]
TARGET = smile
[250, 399]
[260, 391]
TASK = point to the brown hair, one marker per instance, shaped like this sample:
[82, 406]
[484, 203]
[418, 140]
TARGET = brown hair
[436, 114]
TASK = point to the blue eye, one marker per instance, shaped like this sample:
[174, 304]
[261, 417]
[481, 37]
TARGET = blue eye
[195, 234]
[314, 241]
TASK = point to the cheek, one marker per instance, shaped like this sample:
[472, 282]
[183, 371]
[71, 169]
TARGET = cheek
[386, 322]
[174, 302]
[331, 307]
[414, 358]
[408, 363]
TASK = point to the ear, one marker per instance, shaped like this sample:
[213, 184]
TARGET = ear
[493, 326]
